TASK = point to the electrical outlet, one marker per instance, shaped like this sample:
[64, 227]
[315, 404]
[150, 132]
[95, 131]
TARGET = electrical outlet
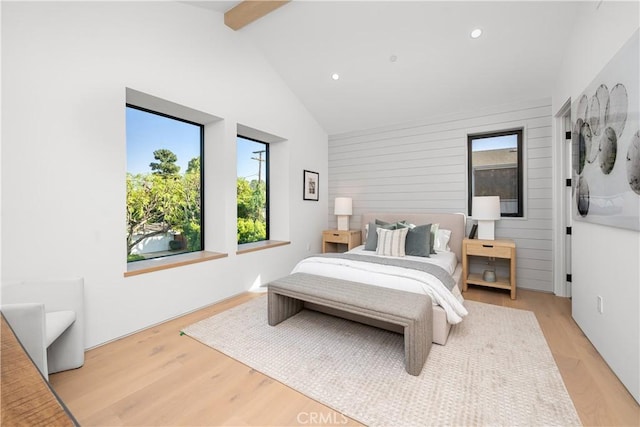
[600, 305]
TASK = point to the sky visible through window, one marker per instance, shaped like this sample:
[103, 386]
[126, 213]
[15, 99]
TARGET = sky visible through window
[247, 167]
[495, 143]
[147, 132]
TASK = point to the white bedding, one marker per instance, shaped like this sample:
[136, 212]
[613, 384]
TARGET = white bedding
[393, 277]
[446, 260]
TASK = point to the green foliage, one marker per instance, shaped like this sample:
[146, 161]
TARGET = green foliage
[194, 165]
[191, 232]
[243, 198]
[167, 163]
[134, 257]
[175, 245]
[252, 197]
[251, 231]
[163, 200]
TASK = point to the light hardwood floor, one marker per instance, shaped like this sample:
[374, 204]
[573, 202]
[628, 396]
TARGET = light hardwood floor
[158, 377]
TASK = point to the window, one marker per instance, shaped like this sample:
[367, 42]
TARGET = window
[253, 190]
[164, 185]
[495, 169]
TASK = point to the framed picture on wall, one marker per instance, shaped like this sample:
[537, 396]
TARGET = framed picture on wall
[311, 185]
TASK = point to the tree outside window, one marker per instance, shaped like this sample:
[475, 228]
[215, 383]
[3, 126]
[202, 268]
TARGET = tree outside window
[164, 185]
[252, 190]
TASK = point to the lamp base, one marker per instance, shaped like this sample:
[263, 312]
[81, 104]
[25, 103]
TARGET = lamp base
[489, 276]
[343, 222]
[486, 229]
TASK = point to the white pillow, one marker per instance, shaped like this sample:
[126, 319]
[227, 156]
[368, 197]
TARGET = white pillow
[442, 240]
[391, 242]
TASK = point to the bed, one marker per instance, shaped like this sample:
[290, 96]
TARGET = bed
[447, 309]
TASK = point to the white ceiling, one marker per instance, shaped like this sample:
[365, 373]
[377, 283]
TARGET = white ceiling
[439, 68]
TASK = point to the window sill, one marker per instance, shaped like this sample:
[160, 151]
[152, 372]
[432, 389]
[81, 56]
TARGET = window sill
[258, 246]
[151, 265]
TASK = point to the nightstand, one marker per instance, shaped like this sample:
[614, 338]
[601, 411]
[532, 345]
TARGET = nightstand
[493, 249]
[340, 240]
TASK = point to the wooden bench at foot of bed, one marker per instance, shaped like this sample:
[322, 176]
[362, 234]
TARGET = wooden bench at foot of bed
[413, 312]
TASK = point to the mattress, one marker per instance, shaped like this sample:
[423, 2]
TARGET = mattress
[395, 277]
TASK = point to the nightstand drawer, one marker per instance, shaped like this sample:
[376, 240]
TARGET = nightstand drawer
[488, 250]
[335, 237]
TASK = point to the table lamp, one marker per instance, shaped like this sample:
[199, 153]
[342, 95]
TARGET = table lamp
[486, 210]
[343, 209]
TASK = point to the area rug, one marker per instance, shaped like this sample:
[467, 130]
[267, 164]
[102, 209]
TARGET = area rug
[496, 368]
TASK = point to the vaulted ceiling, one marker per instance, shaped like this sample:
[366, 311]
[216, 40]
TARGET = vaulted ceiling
[406, 61]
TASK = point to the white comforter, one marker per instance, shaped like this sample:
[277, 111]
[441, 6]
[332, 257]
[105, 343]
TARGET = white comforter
[393, 277]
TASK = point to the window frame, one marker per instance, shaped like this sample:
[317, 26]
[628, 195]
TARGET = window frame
[202, 180]
[519, 132]
[267, 189]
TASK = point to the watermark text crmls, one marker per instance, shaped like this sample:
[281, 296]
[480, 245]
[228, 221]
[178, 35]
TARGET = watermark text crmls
[321, 418]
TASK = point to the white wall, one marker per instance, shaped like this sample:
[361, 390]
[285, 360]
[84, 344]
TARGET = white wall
[422, 166]
[65, 67]
[605, 260]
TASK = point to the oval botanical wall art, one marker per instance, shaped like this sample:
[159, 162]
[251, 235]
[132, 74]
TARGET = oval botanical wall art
[616, 116]
[633, 164]
[578, 148]
[589, 143]
[582, 197]
[606, 143]
[602, 97]
[608, 150]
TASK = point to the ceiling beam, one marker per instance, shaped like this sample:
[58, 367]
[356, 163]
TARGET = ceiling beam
[248, 11]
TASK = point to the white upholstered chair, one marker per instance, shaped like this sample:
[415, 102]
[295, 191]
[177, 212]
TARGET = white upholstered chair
[48, 318]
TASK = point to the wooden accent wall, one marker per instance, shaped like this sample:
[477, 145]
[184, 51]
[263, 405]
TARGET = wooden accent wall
[422, 167]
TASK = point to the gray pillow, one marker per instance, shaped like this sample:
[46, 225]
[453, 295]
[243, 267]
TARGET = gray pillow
[372, 235]
[419, 241]
[434, 230]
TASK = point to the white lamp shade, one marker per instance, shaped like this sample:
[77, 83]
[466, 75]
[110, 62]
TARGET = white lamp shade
[344, 206]
[486, 208]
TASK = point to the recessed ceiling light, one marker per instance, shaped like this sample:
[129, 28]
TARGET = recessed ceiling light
[476, 33]
[335, 76]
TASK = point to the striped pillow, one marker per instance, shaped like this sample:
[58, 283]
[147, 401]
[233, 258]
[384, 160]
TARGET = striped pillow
[391, 242]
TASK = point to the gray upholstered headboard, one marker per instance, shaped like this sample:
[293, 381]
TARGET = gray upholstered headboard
[450, 221]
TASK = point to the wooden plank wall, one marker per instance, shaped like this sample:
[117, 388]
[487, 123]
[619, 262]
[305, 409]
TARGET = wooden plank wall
[422, 167]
